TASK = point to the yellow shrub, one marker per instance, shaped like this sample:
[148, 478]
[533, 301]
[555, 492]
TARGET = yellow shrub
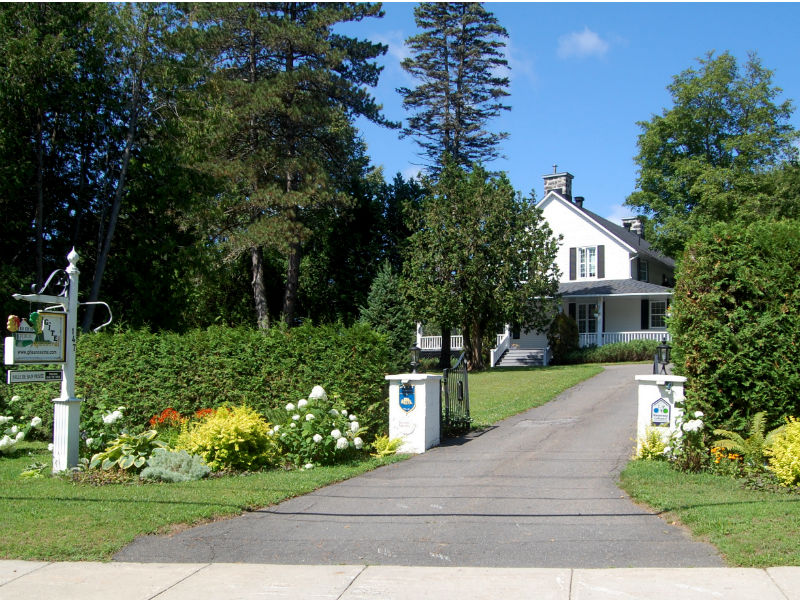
[784, 453]
[232, 438]
[651, 445]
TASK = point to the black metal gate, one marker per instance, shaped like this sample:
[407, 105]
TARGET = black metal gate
[455, 399]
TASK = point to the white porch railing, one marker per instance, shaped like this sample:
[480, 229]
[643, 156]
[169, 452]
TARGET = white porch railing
[434, 342]
[503, 343]
[612, 337]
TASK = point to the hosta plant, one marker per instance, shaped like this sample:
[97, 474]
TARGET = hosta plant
[318, 431]
[129, 451]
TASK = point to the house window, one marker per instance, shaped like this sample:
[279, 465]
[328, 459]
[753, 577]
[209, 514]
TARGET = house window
[644, 271]
[658, 314]
[587, 261]
[587, 318]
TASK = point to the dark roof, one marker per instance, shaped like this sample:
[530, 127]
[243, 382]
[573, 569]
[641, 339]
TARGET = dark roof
[641, 245]
[611, 287]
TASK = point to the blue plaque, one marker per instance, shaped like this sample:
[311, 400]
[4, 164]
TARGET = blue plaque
[407, 400]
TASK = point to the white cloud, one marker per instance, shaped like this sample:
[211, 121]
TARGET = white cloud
[412, 171]
[619, 212]
[518, 62]
[582, 44]
[396, 41]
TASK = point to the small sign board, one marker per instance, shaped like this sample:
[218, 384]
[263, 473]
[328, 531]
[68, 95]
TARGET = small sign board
[407, 400]
[43, 343]
[659, 413]
[33, 376]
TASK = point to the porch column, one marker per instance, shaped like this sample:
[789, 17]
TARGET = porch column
[600, 307]
[419, 335]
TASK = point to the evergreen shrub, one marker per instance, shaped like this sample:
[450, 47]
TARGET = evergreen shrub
[235, 438]
[563, 338]
[634, 350]
[735, 322]
[174, 467]
[208, 368]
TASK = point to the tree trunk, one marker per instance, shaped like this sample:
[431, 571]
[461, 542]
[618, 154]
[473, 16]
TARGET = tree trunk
[444, 355]
[292, 278]
[130, 137]
[259, 291]
[474, 334]
[39, 216]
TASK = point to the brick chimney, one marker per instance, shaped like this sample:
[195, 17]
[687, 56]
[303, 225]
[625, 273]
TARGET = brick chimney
[558, 182]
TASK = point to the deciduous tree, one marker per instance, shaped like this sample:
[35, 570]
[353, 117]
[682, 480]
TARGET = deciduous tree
[711, 155]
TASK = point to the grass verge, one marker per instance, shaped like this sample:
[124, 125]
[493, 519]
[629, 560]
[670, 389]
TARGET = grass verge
[51, 518]
[750, 528]
[503, 392]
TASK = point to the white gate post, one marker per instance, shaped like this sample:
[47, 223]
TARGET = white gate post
[67, 408]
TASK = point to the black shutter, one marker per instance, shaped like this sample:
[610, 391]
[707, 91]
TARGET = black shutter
[645, 314]
[572, 309]
[601, 262]
[638, 269]
[604, 317]
[572, 261]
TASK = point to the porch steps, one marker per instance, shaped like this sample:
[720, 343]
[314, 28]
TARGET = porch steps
[522, 357]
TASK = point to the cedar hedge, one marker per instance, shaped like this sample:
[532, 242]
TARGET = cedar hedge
[736, 322]
[206, 368]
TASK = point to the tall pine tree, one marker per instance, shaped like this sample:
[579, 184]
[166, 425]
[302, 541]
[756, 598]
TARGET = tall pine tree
[276, 123]
[456, 58]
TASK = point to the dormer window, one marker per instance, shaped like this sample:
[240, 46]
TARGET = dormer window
[587, 262]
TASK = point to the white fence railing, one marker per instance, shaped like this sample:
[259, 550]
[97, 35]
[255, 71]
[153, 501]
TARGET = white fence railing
[503, 343]
[612, 337]
[434, 342]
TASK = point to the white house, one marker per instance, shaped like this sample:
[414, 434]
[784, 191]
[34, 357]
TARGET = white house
[612, 283]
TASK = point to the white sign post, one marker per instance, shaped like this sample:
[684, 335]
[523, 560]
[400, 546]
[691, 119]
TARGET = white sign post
[415, 410]
[67, 408]
[657, 399]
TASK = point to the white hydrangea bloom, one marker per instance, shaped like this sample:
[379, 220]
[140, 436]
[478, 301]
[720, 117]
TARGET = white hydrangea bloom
[309, 417]
[309, 465]
[112, 417]
[50, 447]
[318, 393]
[15, 398]
[354, 426]
[344, 412]
[358, 443]
[14, 430]
[302, 403]
[693, 425]
[20, 435]
[342, 443]
[5, 419]
[295, 417]
[89, 441]
[5, 442]
[317, 438]
[292, 424]
[333, 412]
[698, 414]
[36, 421]
[336, 434]
[277, 427]
[289, 407]
[352, 417]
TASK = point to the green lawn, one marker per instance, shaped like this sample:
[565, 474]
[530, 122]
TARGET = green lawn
[750, 528]
[500, 393]
[53, 519]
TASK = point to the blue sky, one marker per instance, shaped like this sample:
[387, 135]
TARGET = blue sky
[582, 75]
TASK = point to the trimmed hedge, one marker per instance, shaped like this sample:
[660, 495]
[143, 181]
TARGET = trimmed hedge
[736, 322]
[148, 372]
[635, 350]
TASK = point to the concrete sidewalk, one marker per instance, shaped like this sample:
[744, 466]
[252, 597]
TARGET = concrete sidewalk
[21, 580]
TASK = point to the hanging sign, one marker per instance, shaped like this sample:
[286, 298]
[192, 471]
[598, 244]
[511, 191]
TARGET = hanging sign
[659, 413]
[407, 400]
[33, 376]
[39, 339]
